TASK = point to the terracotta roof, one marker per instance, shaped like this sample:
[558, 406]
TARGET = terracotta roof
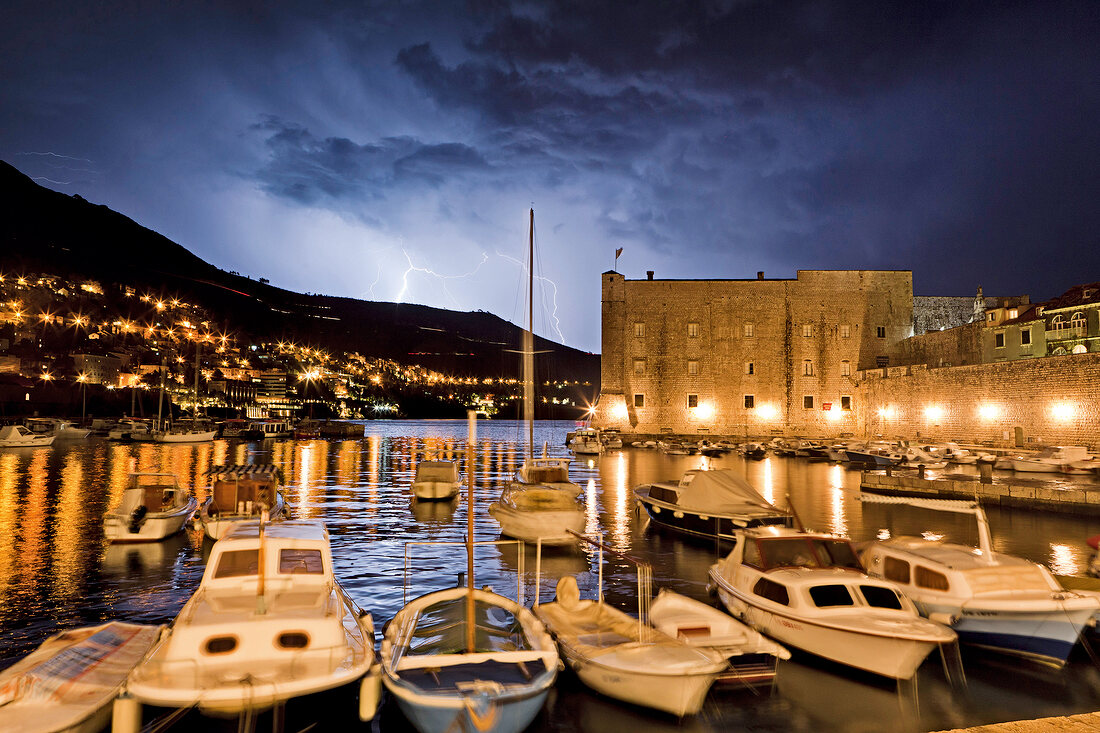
[1076, 296]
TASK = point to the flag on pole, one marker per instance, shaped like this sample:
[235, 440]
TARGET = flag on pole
[618, 252]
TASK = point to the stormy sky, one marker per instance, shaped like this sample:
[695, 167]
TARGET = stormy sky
[390, 150]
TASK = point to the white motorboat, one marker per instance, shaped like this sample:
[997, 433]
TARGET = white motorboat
[463, 659]
[436, 481]
[533, 513]
[809, 591]
[264, 429]
[1050, 460]
[70, 681]
[586, 441]
[991, 600]
[626, 658]
[60, 429]
[128, 429]
[153, 506]
[954, 454]
[18, 436]
[240, 493]
[268, 623]
[611, 439]
[548, 471]
[180, 434]
[708, 503]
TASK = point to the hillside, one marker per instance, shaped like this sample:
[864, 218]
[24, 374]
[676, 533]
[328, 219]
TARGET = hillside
[47, 231]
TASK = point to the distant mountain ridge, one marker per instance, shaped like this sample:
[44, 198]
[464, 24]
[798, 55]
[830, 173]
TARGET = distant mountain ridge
[47, 231]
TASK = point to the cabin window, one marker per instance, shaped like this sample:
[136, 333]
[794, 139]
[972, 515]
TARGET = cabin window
[639, 400]
[292, 640]
[235, 563]
[750, 330]
[693, 367]
[772, 591]
[639, 330]
[845, 331]
[838, 553]
[750, 401]
[880, 331]
[220, 645]
[831, 595]
[752, 554]
[896, 570]
[301, 562]
[794, 552]
[693, 330]
[880, 597]
[930, 579]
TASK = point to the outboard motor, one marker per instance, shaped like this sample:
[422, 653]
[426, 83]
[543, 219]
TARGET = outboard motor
[137, 518]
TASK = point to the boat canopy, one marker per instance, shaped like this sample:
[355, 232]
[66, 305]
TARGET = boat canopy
[445, 471]
[720, 492]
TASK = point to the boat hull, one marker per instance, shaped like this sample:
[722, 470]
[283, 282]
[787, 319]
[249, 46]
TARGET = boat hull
[434, 490]
[154, 527]
[703, 525]
[216, 527]
[435, 714]
[549, 527]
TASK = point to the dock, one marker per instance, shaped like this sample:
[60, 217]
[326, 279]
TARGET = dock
[1084, 723]
[1030, 493]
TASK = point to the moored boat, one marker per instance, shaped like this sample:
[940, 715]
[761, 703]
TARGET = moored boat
[436, 480]
[240, 493]
[268, 623]
[70, 681]
[714, 503]
[535, 513]
[809, 591]
[153, 506]
[18, 436]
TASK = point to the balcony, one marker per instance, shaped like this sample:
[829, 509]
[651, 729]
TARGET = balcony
[1069, 332]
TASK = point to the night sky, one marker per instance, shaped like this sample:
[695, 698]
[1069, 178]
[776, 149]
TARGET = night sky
[390, 150]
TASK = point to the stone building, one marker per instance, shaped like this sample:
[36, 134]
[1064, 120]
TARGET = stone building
[754, 357]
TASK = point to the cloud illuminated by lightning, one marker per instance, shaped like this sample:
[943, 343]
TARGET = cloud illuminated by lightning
[443, 278]
[555, 322]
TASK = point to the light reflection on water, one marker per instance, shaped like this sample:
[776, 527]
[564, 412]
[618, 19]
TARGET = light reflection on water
[55, 569]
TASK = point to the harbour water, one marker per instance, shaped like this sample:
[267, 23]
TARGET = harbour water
[56, 570]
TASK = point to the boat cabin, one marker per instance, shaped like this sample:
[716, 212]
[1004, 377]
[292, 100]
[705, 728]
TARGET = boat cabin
[156, 492]
[437, 471]
[545, 471]
[799, 551]
[239, 489]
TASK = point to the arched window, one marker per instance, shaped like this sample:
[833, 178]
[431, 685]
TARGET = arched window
[1058, 323]
[1078, 321]
[1080, 349]
[807, 367]
[1059, 352]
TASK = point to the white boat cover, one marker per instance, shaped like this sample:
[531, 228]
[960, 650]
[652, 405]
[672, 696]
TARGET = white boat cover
[440, 471]
[721, 492]
[78, 667]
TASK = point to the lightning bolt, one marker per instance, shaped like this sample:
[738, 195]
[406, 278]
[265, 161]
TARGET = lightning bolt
[427, 271]
[376, 279]
[56, 155]
[43, 178]
[555, 322]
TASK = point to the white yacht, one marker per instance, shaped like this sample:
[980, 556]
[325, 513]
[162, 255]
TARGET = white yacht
[153, 506]
[809, 591]
[548, 471]
[60, 429]
[18, 436]
[586, 441]
[268, 623]
[991, 600]
[1050, 460]
[533, 513]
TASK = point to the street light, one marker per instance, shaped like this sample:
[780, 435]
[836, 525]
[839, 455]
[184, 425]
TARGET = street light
[83, 379]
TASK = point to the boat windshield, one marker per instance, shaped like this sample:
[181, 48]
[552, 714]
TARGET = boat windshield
[441, 629]
[803, 552]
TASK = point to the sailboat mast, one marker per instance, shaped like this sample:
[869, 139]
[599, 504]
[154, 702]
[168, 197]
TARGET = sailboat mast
[471, 438]
[160, 400]
[195, 406]
[529, 344]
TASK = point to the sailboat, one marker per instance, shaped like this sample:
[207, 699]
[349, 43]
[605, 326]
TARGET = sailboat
[467, 659]
[543, 506]
[176, 433]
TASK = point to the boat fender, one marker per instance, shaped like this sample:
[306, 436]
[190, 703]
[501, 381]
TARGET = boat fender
[126, 714]
[370, 692]
[947, 619]
[678, 515]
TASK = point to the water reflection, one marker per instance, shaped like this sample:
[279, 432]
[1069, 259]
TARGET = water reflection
[55, 569]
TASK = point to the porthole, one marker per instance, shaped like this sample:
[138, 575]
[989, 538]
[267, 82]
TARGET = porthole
[220, 644]
[292, 640]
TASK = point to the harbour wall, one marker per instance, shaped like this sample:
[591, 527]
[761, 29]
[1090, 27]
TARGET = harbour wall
[1015, 492]
[1029, 402]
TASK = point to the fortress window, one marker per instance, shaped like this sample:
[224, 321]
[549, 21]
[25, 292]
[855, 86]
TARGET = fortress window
[639, 400]
[750, 402]
[639, 330]
[639, 367]
[693, 400]
[880, 331]
[845, 402]
[845, 331]
[693, 366]
[999, 339]
[845, 368]
[808, 402]
[693, 330]
[807, 368]
[749, 330]
[808, 330]
[750, 368]
[1025, 336]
